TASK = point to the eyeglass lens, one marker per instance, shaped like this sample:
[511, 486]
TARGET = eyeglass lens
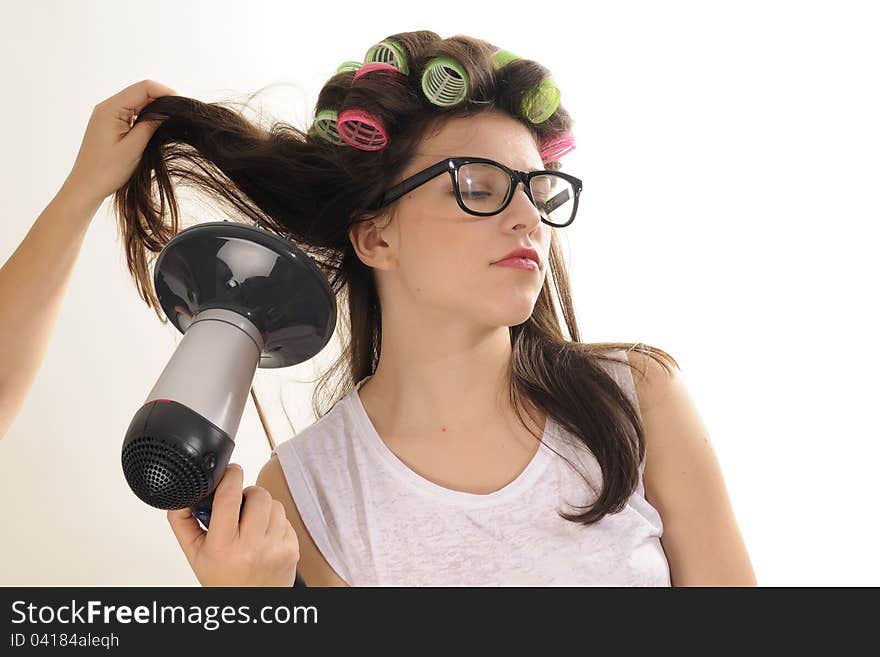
[484, 187]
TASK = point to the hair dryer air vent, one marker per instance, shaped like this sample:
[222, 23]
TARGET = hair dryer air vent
[162, 475]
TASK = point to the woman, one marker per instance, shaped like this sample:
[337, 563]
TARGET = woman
[465, 429]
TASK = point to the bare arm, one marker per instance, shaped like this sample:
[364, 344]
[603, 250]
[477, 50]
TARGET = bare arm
[34, 279]
[312, 565]
[685, 483]
[32, 285]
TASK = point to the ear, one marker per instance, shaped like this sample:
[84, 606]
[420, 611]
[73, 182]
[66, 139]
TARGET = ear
[374, 239]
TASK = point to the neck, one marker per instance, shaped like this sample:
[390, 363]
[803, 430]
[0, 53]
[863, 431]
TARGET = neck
[453, 388]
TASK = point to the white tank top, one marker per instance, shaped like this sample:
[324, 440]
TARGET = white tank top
[379, 523]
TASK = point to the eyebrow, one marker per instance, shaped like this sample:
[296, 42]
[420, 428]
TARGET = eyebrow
[541, 168]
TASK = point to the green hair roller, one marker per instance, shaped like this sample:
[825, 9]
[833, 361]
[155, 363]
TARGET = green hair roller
[504, 57]
[348, 66]
[445, 82]
[540, 103]
[325, 126]
[388, 52]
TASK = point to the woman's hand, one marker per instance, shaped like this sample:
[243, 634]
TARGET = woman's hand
[258, 549]
[111, 148]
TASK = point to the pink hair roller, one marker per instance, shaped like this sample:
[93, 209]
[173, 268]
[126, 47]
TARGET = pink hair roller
[376, 66]
[556, 148]
[361, 130]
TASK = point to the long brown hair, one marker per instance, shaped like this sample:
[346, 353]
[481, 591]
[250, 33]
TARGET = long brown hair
[310, 190]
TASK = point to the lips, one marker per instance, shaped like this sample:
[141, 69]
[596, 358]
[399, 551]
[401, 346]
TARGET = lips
[519, 263]
[529, 254]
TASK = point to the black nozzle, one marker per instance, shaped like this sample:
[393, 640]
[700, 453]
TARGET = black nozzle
[172, 457]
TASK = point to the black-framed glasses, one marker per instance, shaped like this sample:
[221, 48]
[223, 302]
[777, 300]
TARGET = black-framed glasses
[485, 187]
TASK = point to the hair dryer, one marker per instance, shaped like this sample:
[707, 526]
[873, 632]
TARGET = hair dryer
[243, 298]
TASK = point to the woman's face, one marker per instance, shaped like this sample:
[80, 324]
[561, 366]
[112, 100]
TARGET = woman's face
[438, 258]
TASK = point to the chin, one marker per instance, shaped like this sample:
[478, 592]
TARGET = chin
[512, 315]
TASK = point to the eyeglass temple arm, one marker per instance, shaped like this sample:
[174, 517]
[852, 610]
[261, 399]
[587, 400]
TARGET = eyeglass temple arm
[410, 184]
[553, 203]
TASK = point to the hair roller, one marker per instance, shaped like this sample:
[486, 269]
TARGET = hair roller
[348, 66]
[503, 57]
[360, 129]
[388, 52]
[445, 82]
[540, 103]
[388, 69]
[325, 126]
[557, 147]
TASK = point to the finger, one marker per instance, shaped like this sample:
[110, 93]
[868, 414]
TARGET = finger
[138, 95]
[139, 135]
[255, 515]
[289, 531]
[278, 522]
[227, 502]
[187, 530]
[290, 535]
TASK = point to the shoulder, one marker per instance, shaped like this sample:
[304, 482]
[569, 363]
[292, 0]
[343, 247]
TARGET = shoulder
[655, 377]
[312, 565]
[674, 432]
[683, 480]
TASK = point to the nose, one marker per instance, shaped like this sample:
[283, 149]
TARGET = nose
[521, 209]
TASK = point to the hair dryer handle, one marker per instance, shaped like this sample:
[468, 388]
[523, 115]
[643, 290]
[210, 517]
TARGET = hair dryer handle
[202, 511]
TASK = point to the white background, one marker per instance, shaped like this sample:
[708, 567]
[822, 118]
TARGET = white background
[729, 152]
